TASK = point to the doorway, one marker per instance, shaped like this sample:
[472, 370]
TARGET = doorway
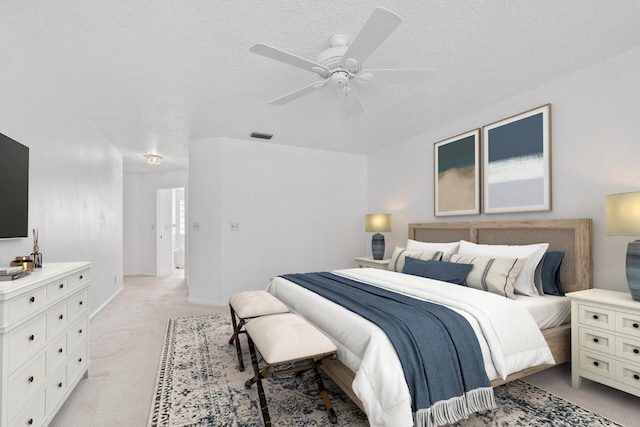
[170, 229]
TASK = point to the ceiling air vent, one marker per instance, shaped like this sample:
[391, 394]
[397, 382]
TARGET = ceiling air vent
[261, 135]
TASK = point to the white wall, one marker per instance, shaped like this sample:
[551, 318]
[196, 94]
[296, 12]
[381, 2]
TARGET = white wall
[140, 202]
[75, 174]
[298, 210]
[595, 150]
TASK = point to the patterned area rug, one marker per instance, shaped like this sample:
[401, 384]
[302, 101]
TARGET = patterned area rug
[199, 385]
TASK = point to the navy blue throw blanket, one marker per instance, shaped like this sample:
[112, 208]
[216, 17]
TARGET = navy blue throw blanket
[437, 347]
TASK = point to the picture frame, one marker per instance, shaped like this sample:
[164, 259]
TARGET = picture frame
[517, 163]
[457, 175]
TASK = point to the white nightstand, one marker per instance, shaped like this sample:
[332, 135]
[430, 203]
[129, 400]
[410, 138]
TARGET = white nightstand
[373, 263]
[605, 339]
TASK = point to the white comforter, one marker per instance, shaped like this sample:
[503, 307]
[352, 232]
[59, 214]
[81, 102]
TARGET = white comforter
[509, 337]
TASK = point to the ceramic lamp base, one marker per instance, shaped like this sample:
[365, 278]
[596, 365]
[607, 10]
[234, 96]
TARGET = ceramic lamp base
[377, 246]
[633, 269]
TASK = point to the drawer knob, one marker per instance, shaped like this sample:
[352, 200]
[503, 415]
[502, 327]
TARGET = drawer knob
[32, 299]
[595, 340]
[59, 385]
[635, 325]
[80, 360]
[81, 277]
[31, 379]
[80, 303]
[61, 286]
[32, 337]
[79, 331]
[60, 350]
[596, 363]
[636, 351]
[61, 317]
[30, 421]
[595, 317]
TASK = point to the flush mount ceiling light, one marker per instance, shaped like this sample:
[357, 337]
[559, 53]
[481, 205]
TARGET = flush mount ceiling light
[153, 159]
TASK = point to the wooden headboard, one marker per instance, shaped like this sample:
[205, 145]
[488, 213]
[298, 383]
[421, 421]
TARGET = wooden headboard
[573, 236]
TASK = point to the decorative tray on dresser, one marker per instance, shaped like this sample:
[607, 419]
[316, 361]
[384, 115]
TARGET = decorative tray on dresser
[605, 339]
[44, 341]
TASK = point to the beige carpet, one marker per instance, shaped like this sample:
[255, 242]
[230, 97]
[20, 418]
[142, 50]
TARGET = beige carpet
[127, 337]
[126, 340]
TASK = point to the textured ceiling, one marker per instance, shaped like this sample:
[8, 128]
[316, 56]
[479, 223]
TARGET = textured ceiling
[155, 74]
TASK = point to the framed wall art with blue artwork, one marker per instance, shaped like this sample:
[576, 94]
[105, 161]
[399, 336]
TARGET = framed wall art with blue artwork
[457, 175]
[517, 163]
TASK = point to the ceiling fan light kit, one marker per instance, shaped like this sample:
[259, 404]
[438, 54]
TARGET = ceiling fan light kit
[341, 64]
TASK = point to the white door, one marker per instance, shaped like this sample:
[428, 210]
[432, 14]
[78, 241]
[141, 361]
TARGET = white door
[164, 229]
[179, 227]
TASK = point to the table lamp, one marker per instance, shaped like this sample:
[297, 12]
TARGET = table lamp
[623, 219]
[377, 223]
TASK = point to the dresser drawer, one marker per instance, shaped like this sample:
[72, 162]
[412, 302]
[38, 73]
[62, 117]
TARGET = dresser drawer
[597, 364]
[596, 316]
[32, 414]
[57, 289]
[56, 319]
[25, 382]
[24, 304]
[77, 333]
[78, 362]
[628, 324]
[56, 387]
[77, 304]
[597, 340]
[57, 353]
[628, 374]
[628, 349]
[78, 278]
[26, 341]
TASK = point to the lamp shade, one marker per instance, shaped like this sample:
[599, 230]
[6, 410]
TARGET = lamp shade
[378, 223]
[623, 214]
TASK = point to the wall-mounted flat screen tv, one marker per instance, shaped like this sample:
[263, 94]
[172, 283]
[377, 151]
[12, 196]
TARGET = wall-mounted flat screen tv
[14, 188]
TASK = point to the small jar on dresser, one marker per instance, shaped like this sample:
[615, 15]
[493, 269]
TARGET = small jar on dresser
[44, 338]
[605, 339]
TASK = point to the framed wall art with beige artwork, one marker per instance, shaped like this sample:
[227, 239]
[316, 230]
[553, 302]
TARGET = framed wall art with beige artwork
[457, 175]
[517, 163]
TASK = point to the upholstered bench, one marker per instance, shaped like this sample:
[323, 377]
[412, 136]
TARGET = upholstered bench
[288, 344]
[248, 305]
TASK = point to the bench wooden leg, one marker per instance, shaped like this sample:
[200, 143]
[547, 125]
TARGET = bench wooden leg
[325, 396]
[258, 378]
[236, 337]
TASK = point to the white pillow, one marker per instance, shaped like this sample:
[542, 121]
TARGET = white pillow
[447, 249]
[495, 275]
[525, 285]
[399, 254]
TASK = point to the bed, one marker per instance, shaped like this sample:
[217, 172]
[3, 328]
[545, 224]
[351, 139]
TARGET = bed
[572, 236]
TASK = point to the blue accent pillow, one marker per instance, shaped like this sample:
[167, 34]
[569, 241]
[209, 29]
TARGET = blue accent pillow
[550, 273]
[438, 270]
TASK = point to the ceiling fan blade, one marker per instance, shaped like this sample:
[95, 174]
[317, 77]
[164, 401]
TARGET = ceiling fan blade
[354, 104]
[289, 58]
[378, 27]
[299, 93]
[409, 76]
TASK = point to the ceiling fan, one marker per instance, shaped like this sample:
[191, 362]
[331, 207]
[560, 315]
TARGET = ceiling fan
[340, 66]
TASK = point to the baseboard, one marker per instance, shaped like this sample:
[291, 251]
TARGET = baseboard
[106, 303]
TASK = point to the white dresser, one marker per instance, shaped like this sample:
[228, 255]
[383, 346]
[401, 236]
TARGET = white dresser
[605, 339]
[44, 320]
